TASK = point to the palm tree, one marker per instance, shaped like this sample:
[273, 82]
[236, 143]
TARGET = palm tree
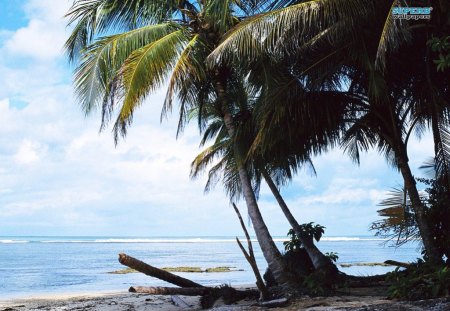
[154, 41]
[360, 43]
[277, 163]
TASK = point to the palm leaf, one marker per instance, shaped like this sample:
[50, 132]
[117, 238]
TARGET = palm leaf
[219, 12]
[391, 37]
[145, 71]
[398, 219]
[102, 59]
[308, 17]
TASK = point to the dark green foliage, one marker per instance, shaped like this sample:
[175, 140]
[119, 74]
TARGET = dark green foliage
[442, 47]
[316, 282]
[332, 255]
[438, 214]
[310, 230]
[293, 243]
[420, 281]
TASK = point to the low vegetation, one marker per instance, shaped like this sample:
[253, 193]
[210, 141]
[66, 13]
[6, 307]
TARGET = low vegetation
[420, 281]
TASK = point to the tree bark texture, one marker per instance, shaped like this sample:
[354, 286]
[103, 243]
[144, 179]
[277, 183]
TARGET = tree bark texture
[155, 272]
[268, 247]
[417, 205]
[185, 291]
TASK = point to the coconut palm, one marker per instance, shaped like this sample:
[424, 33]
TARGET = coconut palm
[126, 50]
[360, 42]
[278, 162]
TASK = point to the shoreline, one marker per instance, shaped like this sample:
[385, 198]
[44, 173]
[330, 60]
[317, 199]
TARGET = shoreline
[125, 301]
[59, 296]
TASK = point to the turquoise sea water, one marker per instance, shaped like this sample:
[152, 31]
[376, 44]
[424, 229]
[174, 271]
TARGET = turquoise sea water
[56, 265]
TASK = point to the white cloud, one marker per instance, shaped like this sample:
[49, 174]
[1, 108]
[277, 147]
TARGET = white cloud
[30, 152]
[45, 34]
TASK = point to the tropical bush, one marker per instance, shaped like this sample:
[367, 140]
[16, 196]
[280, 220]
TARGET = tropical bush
[310, 230]
[420, 281]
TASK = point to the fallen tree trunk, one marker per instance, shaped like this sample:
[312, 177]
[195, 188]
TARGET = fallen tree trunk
[155, 272]
[184, 291]
[397, 263]
[276, 303]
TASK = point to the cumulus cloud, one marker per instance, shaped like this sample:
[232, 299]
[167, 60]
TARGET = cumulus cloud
[44, 36]
[30, 152]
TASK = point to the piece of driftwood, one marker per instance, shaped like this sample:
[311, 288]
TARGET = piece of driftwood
[276, 303]
[397, 263]
[155, 272]
[185, 291]
[179, 302]
[209, 294]
[194, 291]
[250, 256]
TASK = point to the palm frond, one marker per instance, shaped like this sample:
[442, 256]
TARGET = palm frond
[187, 73]
[439, 166]
[102, 59]
[220, 12]
[391, 37]
[305, 18]
[144, 71]
[100, 17]
[398, 218]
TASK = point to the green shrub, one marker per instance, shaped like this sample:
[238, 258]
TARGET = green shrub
[420, 281]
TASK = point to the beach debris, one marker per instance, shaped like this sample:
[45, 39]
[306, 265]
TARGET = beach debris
[149, 270]
[179, 302]
[250, 256]
[184, 291]
[397, 263]
[281, 302]
[186, 287]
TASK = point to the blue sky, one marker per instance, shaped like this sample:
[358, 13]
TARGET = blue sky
[59, 176]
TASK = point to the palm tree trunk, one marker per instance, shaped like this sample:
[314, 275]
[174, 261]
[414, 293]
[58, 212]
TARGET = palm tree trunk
[270, 251]
[319, 260]
[416, 203]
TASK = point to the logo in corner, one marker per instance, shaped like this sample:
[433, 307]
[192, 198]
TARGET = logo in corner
[415, 13]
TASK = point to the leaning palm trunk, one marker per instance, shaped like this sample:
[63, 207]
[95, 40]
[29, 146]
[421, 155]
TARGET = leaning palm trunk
[269, 249]
[416, 204]
[319, 260]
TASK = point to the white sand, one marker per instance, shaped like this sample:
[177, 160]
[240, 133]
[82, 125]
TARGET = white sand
[96, 301]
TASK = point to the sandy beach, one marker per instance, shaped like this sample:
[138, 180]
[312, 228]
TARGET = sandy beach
[124, 301]
[99, 301]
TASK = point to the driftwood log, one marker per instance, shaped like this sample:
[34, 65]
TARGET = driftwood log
[185, 291]
[397, 263]
[155, 272]
[192, 291]
[187, 287]
[276, 303]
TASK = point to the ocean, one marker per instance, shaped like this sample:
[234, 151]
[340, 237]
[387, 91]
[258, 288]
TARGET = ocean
[33, 266]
